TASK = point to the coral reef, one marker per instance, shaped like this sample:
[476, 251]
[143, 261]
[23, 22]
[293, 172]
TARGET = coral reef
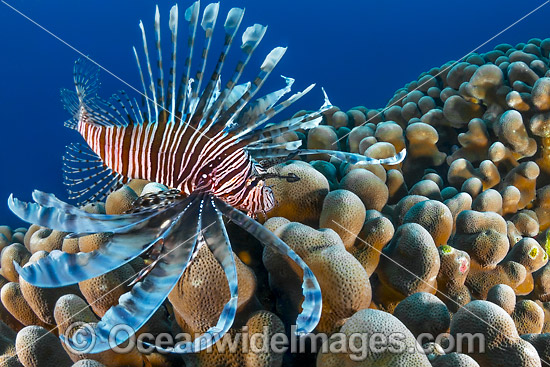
[453, 240]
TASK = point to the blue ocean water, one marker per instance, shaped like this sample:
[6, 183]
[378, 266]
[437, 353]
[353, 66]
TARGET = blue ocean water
[359, 51]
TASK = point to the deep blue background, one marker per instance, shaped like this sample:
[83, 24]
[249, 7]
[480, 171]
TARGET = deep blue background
[360, 51]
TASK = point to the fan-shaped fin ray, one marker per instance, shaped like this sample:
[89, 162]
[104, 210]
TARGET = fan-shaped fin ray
[86, 177]
[311, 306]
[191, 16]
[138, 305]
[60, 217]
[217, 240]
[59, 269]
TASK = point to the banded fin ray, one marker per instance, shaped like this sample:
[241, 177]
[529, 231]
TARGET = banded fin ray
[64, 219]
[271, 60]
[171, 95]
[249, 116]
[311, 306]
[85, 176]
[137, 306]
[216, 238]
[212, 93]
[60, 269]
[264, 131]
[191, 16]
[226, 102]
[208, 24]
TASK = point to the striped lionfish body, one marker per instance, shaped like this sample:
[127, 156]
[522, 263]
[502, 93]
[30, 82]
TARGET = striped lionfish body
[205, 144]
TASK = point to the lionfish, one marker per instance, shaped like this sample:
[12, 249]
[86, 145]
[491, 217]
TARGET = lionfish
[207, 145]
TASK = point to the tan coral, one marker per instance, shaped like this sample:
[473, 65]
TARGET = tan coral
[397, 188]
[369, 322]
[528, 317]
[399, 277]
[503, 346]
[489, 200]
[427, 188]
[510, 200]
[479, 281]
[46, 240]
[503, 158]
[42, 300]
[485, 82]
[26, 241]
[541, 342]
[8, 354]
[457, 204]
[524, 178]
[37, 347]
[541, 279]
[512, 132]
[322, 137]
[459, 111]
[473, 187]
[390, 132]
[365, 184]
[120, 200]
[422, 151]
[461, 170]
[532, 256]
[247, 351]
[504, 296]
[103, 292]
[377, 231]
[94, 241]
[71, 310]
[403, 206]
[474, 143]
[541, 207]
[454, 268]
[14, 252]
[344, 282]
[435, 217]
[15, 303]
[196, 310]
[356, 135]
[298, 201]
[423, 313]
[454, 360]
[343, 212]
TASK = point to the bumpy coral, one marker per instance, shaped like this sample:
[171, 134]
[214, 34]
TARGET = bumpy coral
[369, 322]
[399, 277]
[343, 280]
[377, 231]
[454, 360]
[423, 313]
[435, 217]
[196, 310]
[370, 188]
[343, 212]
[503, 346]
[454, 268]
[482, 236]
[504, 296]
[302, 201]
[35, 346]
[465, 216]
[528, 317]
